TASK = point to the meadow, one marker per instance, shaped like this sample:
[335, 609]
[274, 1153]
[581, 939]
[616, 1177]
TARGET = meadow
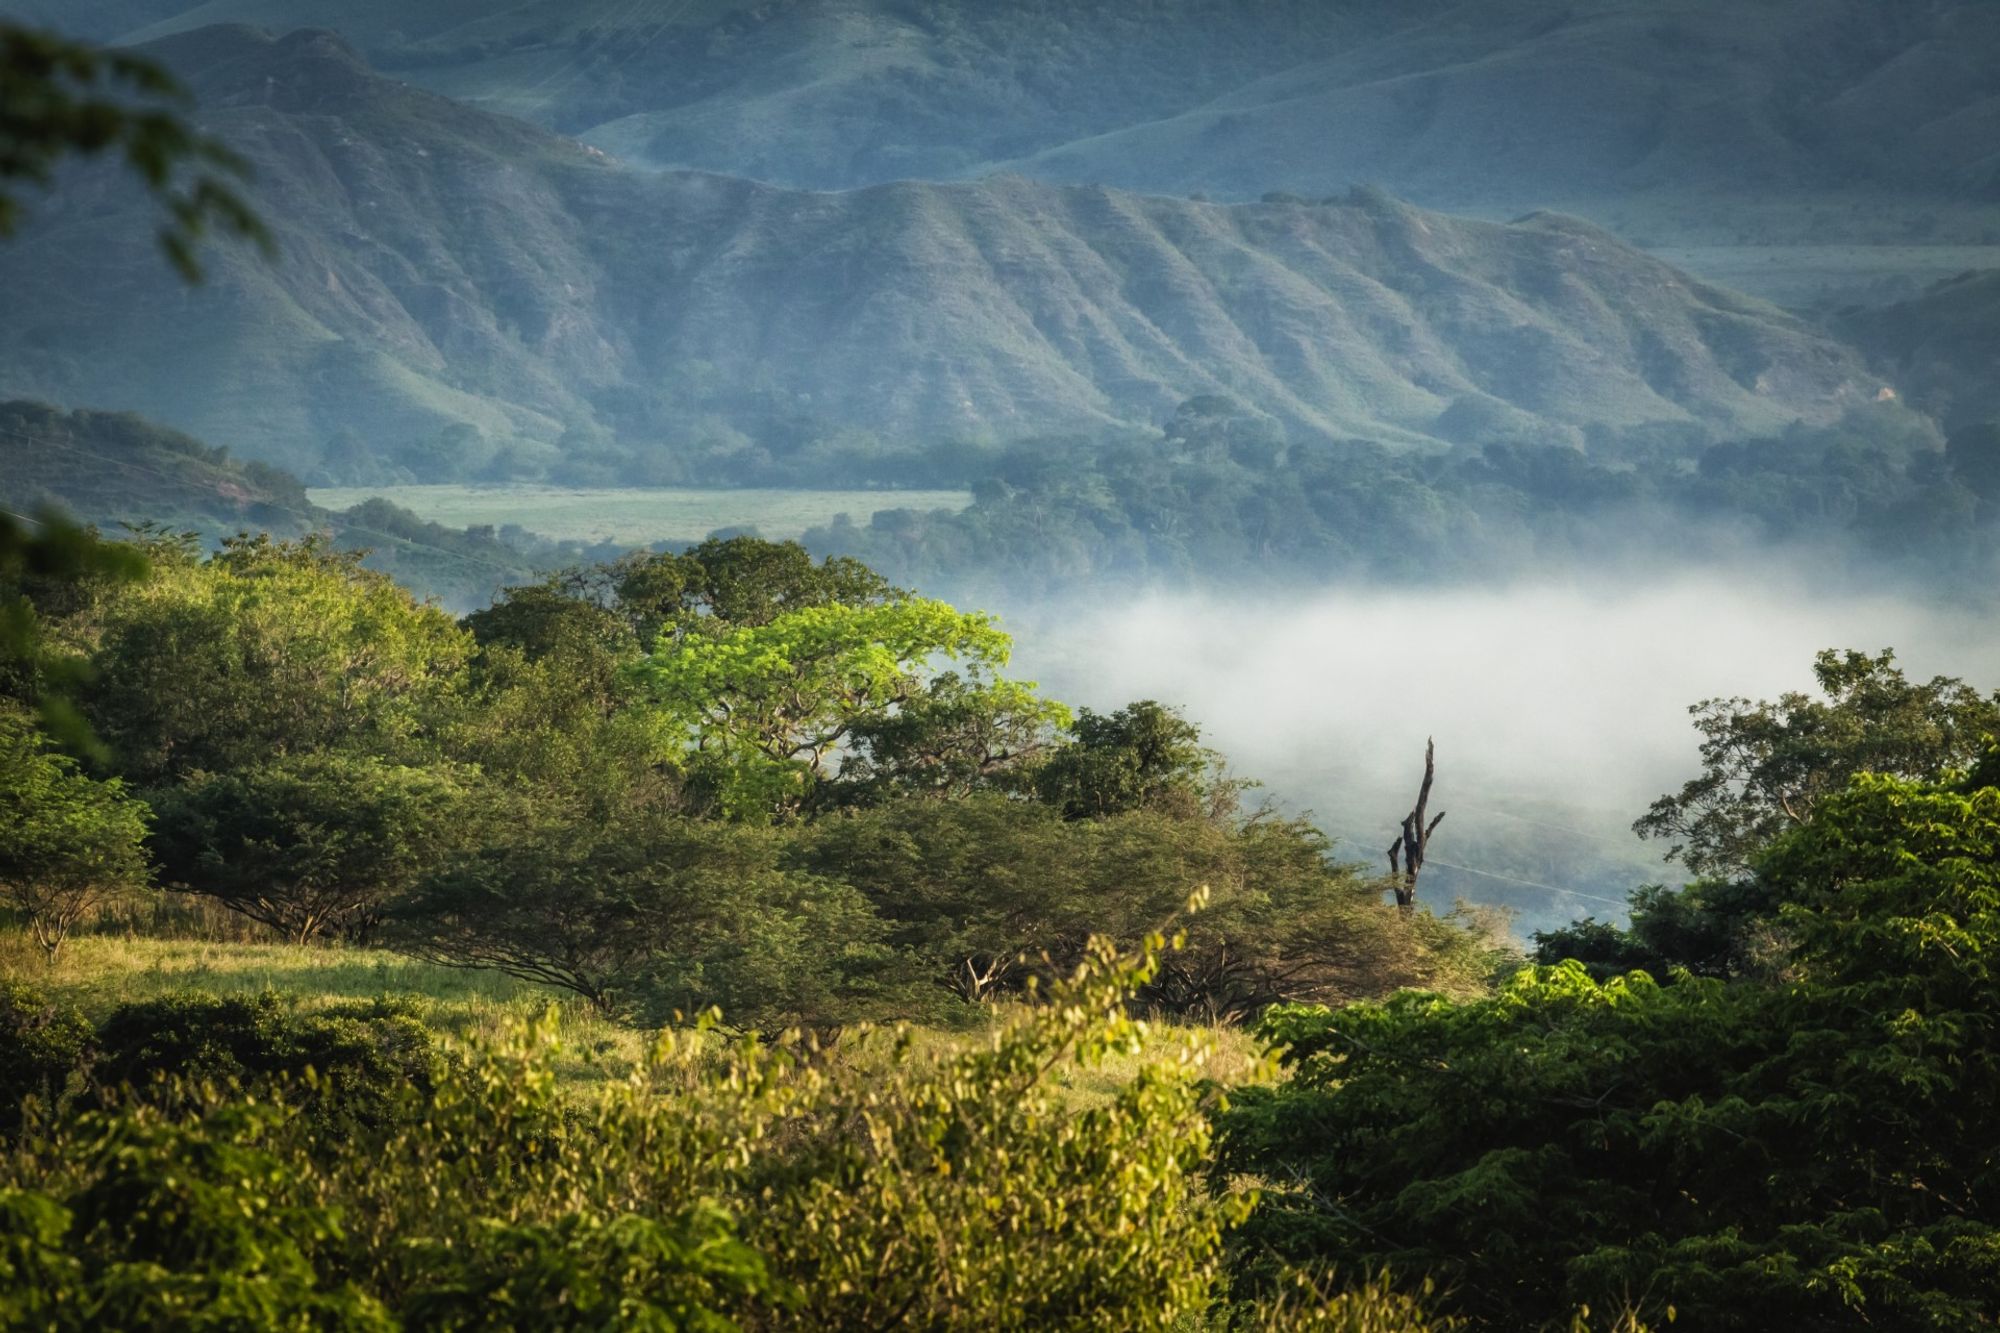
[637, 514]
[164, 948]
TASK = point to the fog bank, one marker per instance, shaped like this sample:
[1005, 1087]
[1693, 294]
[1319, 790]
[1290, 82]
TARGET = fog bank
[1559, 710]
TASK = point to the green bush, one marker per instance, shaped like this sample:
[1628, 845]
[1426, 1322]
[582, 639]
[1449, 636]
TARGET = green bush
[367, 1059]
[718, 1187]
[41, 1044]
[1813, 1151]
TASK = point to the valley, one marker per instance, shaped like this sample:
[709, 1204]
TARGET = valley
[1327, 666]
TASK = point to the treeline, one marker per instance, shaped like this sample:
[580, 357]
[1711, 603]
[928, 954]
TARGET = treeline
[733, 778]
[1222, 495]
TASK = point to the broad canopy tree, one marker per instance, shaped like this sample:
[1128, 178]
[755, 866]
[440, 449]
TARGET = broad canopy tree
[1766, 766]
[68, 843]
[767, 710]
[316, 845]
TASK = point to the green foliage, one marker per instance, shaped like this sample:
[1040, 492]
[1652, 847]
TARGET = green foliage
[988, 895]
[267, 648]
[61, 98]
[313, 845]
[719, 1187]
[68, 843]
[647, 915]
[1710, 928]
[41, 1045]
[957, 736]
[191, 1225]
[347, 1067]
[1144, 756]
[765, 707]
[1808, 1152]
[1766, 766]
[1138, 508]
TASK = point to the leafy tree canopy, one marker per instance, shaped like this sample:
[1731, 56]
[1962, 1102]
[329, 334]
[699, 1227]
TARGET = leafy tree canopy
[766, 708]
[67, 841]
[1766, 766]
[1810, 1152]
[312, 845]
[267, 648]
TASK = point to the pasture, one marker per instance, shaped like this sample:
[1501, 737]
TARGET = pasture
[637, 515]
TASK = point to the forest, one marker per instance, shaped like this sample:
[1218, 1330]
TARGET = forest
[874, 907]
[414, 928]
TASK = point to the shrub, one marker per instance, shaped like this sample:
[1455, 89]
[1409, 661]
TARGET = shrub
[939, 1187]
[367, 1059]
[40, 1045]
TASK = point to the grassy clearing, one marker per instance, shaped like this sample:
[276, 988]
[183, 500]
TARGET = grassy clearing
[638, 515]
[99, 972]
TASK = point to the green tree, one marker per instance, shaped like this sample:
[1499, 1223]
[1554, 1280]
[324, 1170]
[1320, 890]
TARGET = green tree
[1766, 766]
[61, 98]
[1711, 928]
[268, 648]
[1810, 1151]
[1144, 756]
[313, 845]
[646, 915]
[765, 709]
[68, 843]
[987, 892]
[954, 736]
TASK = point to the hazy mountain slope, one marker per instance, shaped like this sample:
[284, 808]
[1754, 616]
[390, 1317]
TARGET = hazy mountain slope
[98, 19]
[445, 269]
[829, 93]
[1942, 350]
[1448, 101]
[1534, 99]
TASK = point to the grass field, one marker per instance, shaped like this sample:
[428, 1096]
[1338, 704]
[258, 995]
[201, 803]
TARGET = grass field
[638, 515]
[98, 972]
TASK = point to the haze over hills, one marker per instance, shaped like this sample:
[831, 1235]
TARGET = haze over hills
[1619, 109]
[1943, 346]
[461, 291]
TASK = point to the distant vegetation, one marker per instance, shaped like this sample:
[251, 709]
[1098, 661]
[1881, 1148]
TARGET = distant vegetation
[1221, 495]
[637, 516]
[117, 469]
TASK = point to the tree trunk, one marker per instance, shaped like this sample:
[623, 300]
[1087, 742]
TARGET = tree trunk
[1406, 853]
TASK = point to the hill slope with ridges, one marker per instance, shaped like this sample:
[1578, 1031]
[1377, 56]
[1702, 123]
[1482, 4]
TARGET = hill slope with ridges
[455, 284]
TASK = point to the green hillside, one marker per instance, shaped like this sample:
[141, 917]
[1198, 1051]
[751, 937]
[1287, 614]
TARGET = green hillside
[464, 297]
[118, 471]
[1943, 348]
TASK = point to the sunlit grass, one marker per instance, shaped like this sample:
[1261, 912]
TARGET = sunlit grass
[475, 1007]
[97, 973]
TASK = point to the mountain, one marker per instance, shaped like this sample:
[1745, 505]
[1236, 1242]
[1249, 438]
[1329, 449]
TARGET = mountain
[1512, 103]
[460, 293]
[1942, 348]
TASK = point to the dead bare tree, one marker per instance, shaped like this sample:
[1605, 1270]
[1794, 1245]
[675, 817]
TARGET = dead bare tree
[1406, 853]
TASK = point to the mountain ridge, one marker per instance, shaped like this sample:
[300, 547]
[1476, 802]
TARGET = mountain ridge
[466, 292]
